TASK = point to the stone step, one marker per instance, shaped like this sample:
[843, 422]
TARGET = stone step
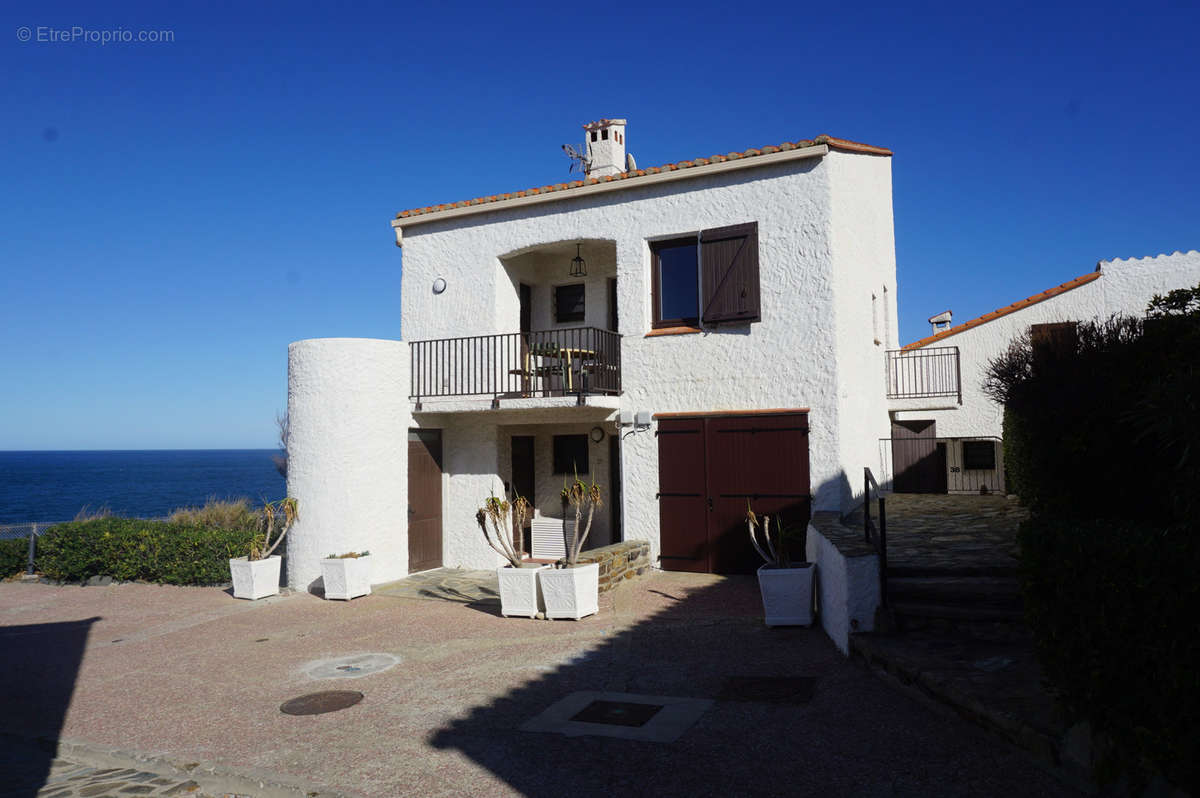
[902, 570]
[953, 612]
[990, 591]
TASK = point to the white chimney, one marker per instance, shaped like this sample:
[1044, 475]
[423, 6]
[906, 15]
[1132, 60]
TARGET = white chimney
[605, 147]
[941, 321]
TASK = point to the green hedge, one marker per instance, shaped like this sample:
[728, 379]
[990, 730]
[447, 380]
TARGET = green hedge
[14, 555]
[1112, 604]
[129, 549]
[1110, 428]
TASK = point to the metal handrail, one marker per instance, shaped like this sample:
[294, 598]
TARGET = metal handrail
[881, 531]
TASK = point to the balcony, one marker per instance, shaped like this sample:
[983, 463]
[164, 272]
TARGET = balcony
[925, 374]
[570, 362]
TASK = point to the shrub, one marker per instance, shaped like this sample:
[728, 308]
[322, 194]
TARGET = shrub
[134, 549]
[1112, 604]
[14, 556]
[216, 513]
[1107, 427]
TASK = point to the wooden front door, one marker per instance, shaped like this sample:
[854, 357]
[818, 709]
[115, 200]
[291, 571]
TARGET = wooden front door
[424, 499]
[522, 478]
[710, 468]
[917, 466]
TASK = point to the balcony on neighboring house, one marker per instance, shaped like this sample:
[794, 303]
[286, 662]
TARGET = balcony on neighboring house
[575, 362]
[924, 378]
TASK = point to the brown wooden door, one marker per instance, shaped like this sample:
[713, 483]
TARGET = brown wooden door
[522, 478]
[424, 499]
[760, 460]
[614, 479]
[682, 496]
[709, 468]
[916, 465]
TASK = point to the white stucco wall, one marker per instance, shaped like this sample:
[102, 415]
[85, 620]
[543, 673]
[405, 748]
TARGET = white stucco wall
[847, 589]
[1124, 286]
[822, 251]
[349, 416]
[476, 463]
[864, 279]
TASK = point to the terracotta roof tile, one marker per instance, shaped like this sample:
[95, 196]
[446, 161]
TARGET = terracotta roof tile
[1082, 279]
[833, 143]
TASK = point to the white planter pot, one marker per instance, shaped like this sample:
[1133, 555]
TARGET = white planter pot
[571, 592]
[787, 595]
[346, 577]
[520, 591]
[255, 579]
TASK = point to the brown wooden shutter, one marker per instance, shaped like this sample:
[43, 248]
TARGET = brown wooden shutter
[729, 274]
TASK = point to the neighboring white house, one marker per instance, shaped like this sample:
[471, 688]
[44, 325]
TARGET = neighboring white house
[693, 337]
[936, 447]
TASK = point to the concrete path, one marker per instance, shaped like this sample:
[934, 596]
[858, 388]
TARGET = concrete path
[193, 679]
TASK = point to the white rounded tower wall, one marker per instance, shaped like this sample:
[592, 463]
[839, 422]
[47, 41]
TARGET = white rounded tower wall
[348, 415]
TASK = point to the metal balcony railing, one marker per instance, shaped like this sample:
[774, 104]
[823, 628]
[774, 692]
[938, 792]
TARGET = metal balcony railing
[575, 361]
[924, 373]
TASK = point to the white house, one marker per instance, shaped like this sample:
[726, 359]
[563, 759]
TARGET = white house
[693, 337]
[957, 447]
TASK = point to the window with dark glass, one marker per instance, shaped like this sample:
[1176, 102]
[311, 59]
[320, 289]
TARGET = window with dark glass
[568, 303]
[676, 282]
[570, 454]
[978, 455]
[710, 277]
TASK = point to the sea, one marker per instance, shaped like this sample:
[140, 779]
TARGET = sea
[55, 486]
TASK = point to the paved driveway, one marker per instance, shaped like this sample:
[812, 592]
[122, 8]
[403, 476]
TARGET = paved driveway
[195, 676]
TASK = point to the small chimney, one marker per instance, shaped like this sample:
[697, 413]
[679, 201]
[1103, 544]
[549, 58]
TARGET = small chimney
[941, 321]
[605, 147]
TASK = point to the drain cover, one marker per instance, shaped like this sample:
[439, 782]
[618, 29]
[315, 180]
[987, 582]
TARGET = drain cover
[769, 689]
[350, 666]
[617, 713]
[320, 703]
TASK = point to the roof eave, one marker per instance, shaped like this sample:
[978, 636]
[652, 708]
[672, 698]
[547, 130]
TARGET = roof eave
[604, 186]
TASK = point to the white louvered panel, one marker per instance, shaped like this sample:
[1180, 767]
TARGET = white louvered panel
[547, 543]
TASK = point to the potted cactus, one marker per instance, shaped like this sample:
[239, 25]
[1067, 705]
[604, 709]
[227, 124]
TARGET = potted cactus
[256, 575]
[572, 590]
[520, 593]
[786, 587]
[347, 576]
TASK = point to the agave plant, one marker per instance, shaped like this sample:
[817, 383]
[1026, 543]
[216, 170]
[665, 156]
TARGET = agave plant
[492, 518]
[275, 521]
[774, 552]
[583, 497]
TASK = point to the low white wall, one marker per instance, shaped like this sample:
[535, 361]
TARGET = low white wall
[847, 589]
[349, 416]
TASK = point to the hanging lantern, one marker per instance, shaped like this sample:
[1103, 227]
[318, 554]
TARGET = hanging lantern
[578, 265]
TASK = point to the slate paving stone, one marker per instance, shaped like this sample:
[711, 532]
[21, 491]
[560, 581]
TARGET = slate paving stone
[447, 584]
[950, 532]
[24, 771]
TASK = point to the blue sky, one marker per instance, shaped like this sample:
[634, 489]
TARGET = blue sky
[174, 214]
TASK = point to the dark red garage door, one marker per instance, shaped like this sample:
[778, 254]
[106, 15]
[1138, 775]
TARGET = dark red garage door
[709, 467]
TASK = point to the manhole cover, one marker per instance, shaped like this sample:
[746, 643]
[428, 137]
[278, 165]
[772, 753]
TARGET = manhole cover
[320, 703]
[350, 666]
[617, 713]
[769, 689]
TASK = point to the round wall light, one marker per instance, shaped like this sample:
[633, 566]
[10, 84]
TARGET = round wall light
[439, 285]
[597, 434]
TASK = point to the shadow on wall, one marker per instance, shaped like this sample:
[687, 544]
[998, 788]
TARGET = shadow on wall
[39, 665]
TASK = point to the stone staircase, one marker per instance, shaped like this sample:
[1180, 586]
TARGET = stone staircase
[916, 596]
